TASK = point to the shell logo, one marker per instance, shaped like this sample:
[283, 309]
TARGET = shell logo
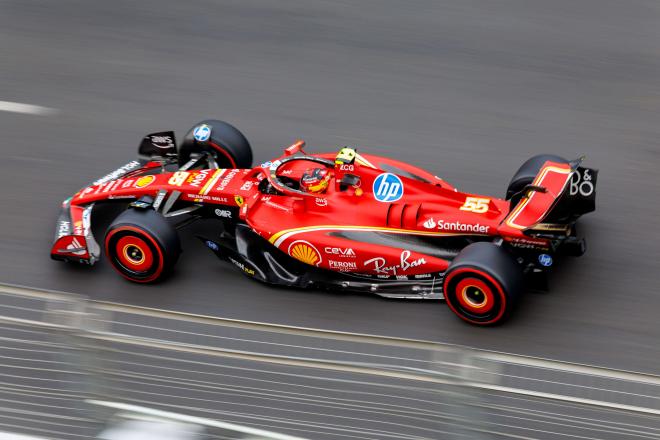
[144, 181]
[304, 251]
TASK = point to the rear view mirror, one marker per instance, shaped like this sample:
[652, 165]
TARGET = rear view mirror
[295, 148]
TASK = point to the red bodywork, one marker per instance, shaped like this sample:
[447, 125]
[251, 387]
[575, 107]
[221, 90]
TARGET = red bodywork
[321, 230]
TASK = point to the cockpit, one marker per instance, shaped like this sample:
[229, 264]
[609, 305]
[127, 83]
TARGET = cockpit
[310, 175]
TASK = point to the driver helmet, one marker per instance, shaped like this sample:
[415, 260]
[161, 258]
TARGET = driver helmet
[315, 180]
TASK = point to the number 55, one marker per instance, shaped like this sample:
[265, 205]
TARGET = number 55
[475, 204]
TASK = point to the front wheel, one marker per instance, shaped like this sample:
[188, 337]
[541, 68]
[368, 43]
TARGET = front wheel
[223, 142]
[142, 246]
[483, 284]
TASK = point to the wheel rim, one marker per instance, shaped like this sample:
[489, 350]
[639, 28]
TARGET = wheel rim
[134, 253]
[475, 296]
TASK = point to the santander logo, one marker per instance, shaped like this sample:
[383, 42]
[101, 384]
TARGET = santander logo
[456, 226]
[430, 224]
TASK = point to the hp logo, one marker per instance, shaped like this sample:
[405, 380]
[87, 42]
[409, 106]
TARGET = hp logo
[202, 133]
[545, 260]
[388, 188]
[212, 245]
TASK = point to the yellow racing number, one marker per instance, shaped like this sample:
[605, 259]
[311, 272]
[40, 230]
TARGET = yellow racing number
[178, 178]
[475, 204]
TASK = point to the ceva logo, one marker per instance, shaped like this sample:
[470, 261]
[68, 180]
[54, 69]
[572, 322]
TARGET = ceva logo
[388, 187]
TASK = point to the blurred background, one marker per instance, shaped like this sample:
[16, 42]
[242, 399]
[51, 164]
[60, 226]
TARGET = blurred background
[468, 90]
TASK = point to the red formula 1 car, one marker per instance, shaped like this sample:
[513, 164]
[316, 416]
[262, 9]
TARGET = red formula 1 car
[341, 221]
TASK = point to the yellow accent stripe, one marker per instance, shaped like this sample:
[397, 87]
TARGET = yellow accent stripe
[214, 178]
[279, 235]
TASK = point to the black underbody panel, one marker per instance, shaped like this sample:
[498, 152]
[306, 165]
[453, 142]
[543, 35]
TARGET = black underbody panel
[258, 259]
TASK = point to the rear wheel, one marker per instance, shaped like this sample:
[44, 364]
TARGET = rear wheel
[483, 284]
[226, 145]
[142, 246]
[526, 174]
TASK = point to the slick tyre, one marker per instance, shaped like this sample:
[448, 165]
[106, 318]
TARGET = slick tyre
[483, 284]
[526, 175]
[142, 246]
[224, 142]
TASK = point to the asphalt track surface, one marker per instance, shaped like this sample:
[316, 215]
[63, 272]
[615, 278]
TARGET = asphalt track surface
[467, 89]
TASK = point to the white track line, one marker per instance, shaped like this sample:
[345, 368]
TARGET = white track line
[28, 109]
[586, 370]
[11, 436]
[194, 420]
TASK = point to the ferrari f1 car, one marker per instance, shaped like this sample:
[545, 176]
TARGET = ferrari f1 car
[340, 221]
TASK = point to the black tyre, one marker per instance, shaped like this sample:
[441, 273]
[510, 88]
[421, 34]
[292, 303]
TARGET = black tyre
[142, 246]
[483, 284]
[526, 174]
[227, 145]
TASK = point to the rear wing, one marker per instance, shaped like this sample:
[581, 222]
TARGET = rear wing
[560, 193]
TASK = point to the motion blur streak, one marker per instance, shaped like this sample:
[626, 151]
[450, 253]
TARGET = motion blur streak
[480, 85]
[234, 377]
[17, 107]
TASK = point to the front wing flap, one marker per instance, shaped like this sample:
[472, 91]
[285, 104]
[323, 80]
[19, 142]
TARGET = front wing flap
[74, 240]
